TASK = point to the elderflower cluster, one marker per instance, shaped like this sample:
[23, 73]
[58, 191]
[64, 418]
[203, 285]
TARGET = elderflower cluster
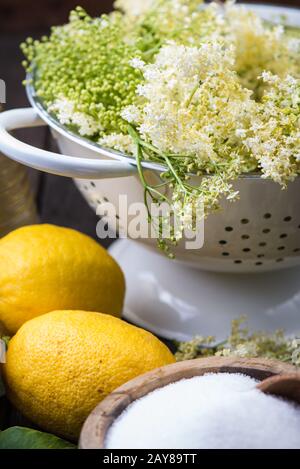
[120, 142]
[274, 135]
[188, 209]
[243, 344]
[84, 65]
[244, 350]
[189, 22]
[67, 114]
[294, 349]
[191, 100]
[259, 47]
[134, 7]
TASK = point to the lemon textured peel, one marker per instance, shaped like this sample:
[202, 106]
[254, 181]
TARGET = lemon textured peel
[46, 267]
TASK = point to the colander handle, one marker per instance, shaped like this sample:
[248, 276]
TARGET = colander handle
[49, 162]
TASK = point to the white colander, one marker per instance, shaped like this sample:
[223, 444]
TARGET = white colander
[259, 232]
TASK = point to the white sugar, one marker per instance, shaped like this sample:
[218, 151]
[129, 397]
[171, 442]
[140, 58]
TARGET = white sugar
[215, 411]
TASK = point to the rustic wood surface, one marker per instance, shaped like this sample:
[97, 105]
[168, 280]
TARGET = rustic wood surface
[95, 429]
[17, 21]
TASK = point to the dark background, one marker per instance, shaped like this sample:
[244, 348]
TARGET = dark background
[18, 20]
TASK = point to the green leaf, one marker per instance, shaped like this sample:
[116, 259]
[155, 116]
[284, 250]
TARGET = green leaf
[26, 438]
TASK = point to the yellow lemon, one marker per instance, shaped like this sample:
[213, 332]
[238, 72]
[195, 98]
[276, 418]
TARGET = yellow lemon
[44, 268]
[59, 366]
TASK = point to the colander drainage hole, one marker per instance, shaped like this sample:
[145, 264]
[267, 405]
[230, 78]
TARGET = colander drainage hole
[287, 219]
[280, 260]
[225, 254]
[267, 216]
[246, 250]
[228, 228]
[244, 221]
[245, 236]
[266, 231]
[262, 244]
[281, 248]
[282, 236]
[297, 250]
[238, 262]
[259, 263]
[222, 242]
[260, 256]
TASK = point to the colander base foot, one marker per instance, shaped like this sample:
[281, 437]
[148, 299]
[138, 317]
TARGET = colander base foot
[178, 302]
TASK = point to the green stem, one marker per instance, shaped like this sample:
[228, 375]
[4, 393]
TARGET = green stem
[170, 166]
[150, 189]
[139, 166]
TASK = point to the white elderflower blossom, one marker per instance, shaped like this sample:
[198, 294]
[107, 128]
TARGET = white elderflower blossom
[192, 101]
[243, 350]
[268, 77]
[137, 63]
[274, 138]
[134, 7]
[294, 45]
[120, 142]
[188, 211]
[131, 114]
[294, 349]
[241, 133]
[259, 46]
[64, 109]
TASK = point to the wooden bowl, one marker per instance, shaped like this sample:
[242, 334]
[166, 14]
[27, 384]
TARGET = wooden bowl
[96, 426]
